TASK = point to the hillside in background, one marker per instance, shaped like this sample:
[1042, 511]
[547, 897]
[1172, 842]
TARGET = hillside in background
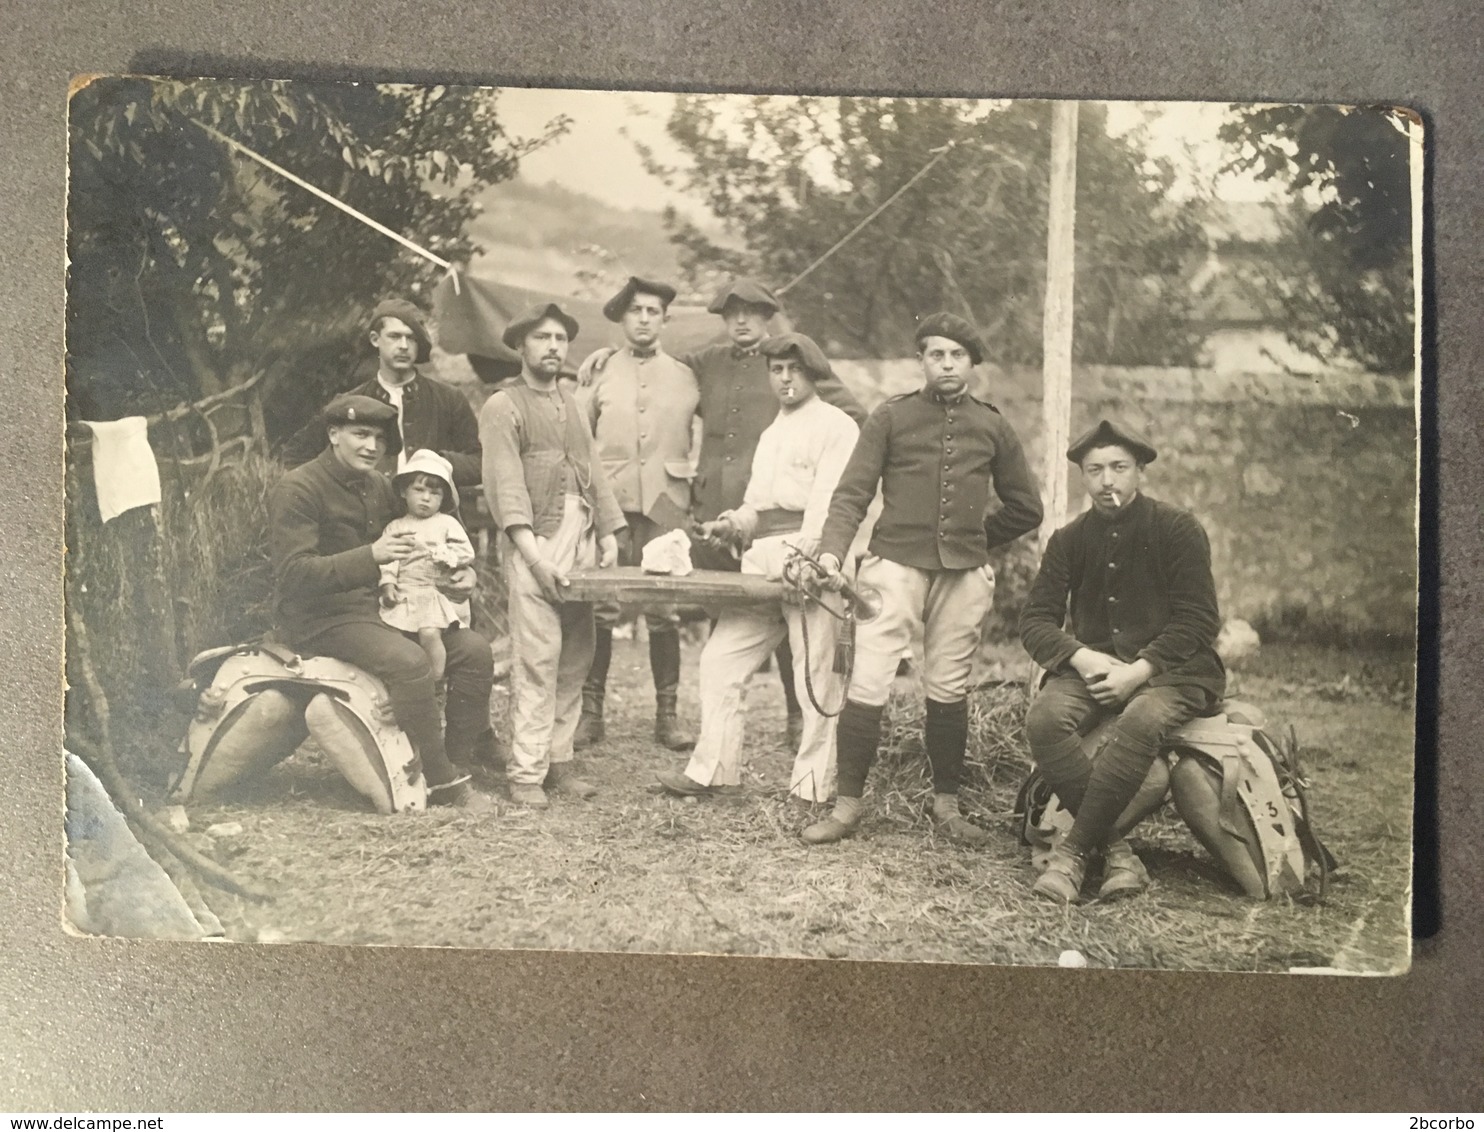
[552, 238]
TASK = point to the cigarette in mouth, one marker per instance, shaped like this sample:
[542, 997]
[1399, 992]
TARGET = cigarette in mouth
[1116, 500]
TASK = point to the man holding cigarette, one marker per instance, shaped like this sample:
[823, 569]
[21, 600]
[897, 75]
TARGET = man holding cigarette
[1137, 575]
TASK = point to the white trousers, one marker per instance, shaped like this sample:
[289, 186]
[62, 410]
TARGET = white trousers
[741, 641]
[551, 647]
[948, 606]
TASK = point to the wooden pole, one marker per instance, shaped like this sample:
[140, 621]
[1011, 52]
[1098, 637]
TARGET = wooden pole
[1056, 325]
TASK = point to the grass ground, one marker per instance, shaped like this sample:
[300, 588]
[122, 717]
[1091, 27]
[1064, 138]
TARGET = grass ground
[634, 870]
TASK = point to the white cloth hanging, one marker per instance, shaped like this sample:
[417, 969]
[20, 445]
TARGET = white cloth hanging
[124, 468]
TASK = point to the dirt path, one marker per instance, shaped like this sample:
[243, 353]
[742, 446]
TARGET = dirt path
[634, 870]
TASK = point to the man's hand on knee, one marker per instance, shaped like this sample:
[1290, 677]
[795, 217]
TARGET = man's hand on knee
[1120, 682]
[1092, 665]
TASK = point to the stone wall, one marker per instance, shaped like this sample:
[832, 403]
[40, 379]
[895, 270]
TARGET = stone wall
[1306, 485]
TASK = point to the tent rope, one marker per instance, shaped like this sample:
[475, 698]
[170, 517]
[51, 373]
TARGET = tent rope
[335, 202]
[938, 154]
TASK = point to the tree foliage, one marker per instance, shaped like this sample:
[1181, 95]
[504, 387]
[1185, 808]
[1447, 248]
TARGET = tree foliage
[788, 177]
[192, 267]
[1347, 289]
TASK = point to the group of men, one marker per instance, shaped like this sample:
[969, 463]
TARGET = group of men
[756, 446]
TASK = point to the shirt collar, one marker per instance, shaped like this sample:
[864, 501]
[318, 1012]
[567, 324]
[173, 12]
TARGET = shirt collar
[938, 399]
[1136, 507]
[741, 352]
[385, 389]
[346, 477]
[643, 352]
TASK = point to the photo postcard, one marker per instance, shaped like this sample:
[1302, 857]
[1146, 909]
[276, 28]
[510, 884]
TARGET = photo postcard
[864, 528]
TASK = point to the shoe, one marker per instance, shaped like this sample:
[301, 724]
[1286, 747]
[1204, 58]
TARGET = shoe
[488, 752]
[529, 794]
[1062, 880]
[667, 730]
[563, 779]
[681, 786]
[961, 830]
[1123, 873]
[825, 832]
[589, 731]
[459, 795]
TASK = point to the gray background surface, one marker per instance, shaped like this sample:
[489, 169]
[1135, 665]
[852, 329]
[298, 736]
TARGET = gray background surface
[114, 1025]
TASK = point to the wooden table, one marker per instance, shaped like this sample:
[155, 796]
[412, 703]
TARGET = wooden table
[630, 585]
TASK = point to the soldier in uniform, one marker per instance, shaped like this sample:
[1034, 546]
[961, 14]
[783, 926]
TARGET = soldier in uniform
[429, 414]
[641, 408]
[1141, 645]
[547, 490]
[327, 538]
[941, 457]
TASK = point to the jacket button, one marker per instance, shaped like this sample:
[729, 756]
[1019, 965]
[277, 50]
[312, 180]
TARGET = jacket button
[1111, 565]
[1112, 600]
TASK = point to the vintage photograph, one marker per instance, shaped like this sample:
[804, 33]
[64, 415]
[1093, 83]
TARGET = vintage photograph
[864, 528]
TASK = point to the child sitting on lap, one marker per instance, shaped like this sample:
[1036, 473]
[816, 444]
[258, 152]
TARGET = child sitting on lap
[410, 599]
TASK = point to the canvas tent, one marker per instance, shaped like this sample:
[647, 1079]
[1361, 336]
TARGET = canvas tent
[472, 315]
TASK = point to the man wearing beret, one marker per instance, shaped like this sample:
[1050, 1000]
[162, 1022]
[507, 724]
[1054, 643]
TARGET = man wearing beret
[798, 462]
[1136, 573]
[547, 490]
[736, 404]
[429, 414]
[942, 459]
[327, 537]
[641, 408]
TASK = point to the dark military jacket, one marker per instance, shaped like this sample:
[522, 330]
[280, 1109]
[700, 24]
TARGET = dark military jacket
[434, 416]
[1139, 585]
[954, 484]
[737, 403]
[322, 519]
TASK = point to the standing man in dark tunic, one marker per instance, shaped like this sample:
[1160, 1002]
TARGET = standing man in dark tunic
[941, 457]
[641, 408]
[327, 539]
[737, 404]
[546, 488]
[1141, 645]
[429, 414]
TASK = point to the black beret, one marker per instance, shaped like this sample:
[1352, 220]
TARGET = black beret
[747, 291]
[406, 312]
[946, 325]
[614, 308]
[516, 332]
[357, 408]
[802, 347]
[1106, 432]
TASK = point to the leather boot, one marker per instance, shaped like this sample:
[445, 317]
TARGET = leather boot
[664, 662]
[590, 723]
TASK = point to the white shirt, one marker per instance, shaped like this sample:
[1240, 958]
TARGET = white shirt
[799, 460]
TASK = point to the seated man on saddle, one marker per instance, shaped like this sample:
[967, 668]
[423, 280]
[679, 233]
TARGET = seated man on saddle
[328, 541]
[1136, 573]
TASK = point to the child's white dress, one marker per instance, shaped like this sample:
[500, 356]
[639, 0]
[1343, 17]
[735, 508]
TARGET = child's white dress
[442, 547]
